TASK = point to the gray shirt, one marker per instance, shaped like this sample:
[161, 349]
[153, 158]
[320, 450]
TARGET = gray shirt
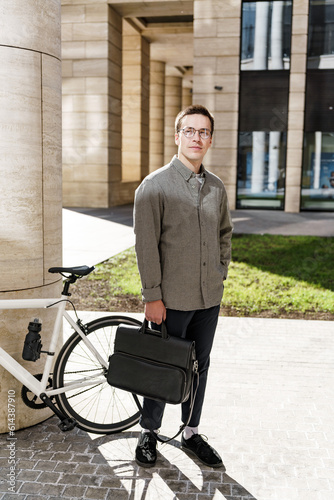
[183, 234]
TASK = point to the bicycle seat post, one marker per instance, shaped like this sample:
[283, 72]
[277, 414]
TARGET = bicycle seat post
[70, 280]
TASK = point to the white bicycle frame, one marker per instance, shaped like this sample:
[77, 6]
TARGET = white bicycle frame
[22, 374]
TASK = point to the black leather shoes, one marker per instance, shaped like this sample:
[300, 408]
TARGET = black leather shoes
[197, 446]
[146, 450]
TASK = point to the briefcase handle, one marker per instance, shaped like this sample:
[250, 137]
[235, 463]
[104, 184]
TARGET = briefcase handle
[145, 327]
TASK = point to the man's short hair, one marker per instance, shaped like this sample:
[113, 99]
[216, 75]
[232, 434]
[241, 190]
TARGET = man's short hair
[194, 109]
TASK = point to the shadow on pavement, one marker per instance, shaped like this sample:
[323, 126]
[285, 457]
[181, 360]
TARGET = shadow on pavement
[78, 465]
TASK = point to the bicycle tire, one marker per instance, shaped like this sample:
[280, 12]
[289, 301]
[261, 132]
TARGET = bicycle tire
[100, 409]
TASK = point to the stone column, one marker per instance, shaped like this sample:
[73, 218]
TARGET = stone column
[259, 154]
[261, 36]
[216, 82]
[296, 106]
[187, 88]
[187, 97]
[173, 105]
[277, 36]
[135, 104]
[30, 165]
[157, 114]
[92, 93]
[114, 107]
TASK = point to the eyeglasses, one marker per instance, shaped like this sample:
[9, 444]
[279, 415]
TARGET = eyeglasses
[189, 132]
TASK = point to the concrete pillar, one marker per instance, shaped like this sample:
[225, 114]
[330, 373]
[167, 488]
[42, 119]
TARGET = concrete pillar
[317, 160]
[261, 36]
[92, 94]
[135, 104]
[187, 97]
[157, 114]
[30, 165]
[274, 157]
[260, 63]
[258, 161]
[173, 105]
[216, 82]
[296, 106]
[85, 35]
[187, 88]
[277, 36]
[114, 106]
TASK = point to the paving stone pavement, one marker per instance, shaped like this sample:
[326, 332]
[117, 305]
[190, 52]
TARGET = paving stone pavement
[269, 412]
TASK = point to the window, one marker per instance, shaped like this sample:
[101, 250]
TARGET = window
[264, 99]
[318, 171]
[319, 100]
[263, 110]
[317, 192]
[321, 34]
[266, 34]
[261, 170]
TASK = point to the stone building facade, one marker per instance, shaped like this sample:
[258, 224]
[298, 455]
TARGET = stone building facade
[129, 67]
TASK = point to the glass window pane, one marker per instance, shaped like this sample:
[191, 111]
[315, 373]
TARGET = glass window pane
[319, 101]
[266, 35]
[264, 99]
[318, 171]
[261, 170]
[321, 34]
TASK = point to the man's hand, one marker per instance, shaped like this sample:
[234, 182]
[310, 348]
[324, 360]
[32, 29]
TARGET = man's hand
[155, 311]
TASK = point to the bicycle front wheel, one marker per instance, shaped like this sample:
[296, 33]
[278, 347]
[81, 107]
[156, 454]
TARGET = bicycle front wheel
[98, 408]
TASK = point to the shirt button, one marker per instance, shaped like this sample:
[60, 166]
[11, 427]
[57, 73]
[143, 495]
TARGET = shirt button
[204, 263]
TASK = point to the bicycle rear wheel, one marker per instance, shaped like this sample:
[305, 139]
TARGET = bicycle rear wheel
[101, 408]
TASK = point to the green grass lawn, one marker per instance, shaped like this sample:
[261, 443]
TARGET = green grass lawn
[275, 273]
[268, 273]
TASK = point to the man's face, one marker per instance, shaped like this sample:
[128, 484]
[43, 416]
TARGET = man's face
[193, 149]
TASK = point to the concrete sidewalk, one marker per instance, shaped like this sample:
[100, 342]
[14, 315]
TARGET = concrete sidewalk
[269, 403]
[90, 238]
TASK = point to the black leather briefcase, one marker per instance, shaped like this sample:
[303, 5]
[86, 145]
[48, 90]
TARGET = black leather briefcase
[152, 364]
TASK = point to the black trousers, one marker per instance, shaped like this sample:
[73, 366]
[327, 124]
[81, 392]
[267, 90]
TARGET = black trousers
[200, 326]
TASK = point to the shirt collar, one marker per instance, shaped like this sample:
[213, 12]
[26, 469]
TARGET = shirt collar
[185, 171]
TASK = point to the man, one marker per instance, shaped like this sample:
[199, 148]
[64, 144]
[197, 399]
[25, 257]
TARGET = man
[183, 244]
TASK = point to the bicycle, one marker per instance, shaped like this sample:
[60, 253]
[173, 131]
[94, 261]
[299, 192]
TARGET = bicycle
[77, 390]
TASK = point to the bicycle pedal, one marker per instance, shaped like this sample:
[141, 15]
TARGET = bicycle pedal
[68, 424]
